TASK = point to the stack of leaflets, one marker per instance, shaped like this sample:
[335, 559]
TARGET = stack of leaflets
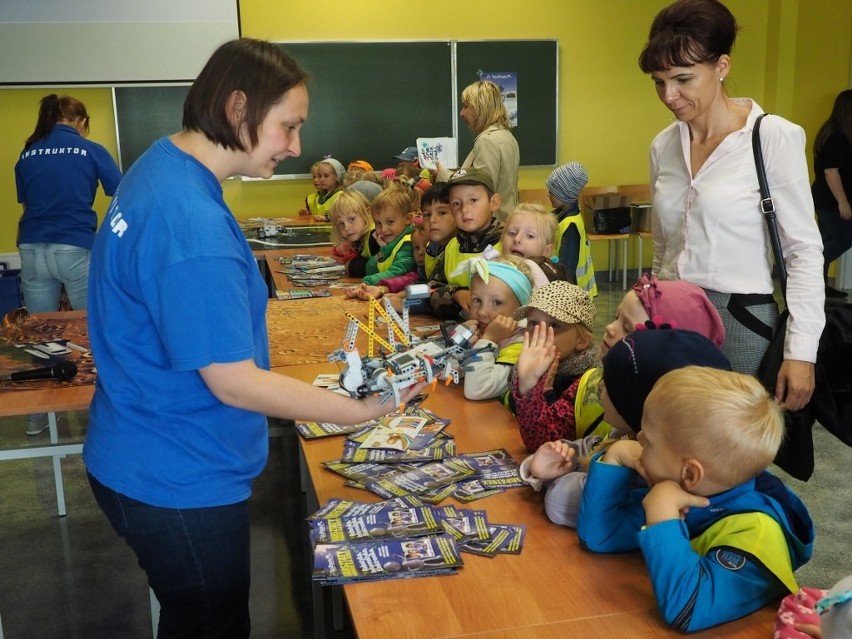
[401, 538]
[301, 293]
[433, 472]
[311, 270]
[391, 540]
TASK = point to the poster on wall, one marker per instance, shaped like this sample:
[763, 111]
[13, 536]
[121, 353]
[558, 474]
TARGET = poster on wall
[508, 83]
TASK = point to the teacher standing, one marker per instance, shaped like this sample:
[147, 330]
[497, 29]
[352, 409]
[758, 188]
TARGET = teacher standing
[495, 149]
[708, 227]
[57, 177]
[177, 322]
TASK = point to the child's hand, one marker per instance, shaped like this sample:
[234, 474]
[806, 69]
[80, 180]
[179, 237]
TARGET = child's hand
[627, 453]
[462, 298]
[809, 629]
[365, 292]
[473, 325]
[379, 240]
[303, 211]
[500, 328]
[536, 359]
[667, 500]
[552, 460]
[320, 218]
[353, 292]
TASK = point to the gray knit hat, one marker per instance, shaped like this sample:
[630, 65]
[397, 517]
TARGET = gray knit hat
[566, 181]
[337, 166]
[368, 189]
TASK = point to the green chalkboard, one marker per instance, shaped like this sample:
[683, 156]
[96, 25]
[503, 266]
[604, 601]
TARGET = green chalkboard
[144, 114]
[370, 100]
[535, 64]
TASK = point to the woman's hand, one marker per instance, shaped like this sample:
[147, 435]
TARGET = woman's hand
[795, 384]
[536, 358]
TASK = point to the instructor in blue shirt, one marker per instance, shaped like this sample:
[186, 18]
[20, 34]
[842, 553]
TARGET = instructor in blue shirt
[57, 177]
[177, 322]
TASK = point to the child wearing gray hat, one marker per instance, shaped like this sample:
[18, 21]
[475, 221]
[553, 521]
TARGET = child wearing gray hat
[572, 246]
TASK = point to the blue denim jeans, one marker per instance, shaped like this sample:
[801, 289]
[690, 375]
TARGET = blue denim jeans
[197, 561]
[45, 268]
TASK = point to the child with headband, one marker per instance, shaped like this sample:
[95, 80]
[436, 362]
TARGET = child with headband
[498, 287]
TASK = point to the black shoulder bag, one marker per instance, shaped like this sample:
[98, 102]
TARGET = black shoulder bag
[831, 402]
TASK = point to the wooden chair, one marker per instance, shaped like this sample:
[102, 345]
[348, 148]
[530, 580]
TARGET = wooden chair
[640, 194]
[617, 242]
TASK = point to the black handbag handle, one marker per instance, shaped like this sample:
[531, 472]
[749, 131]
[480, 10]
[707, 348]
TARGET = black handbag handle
[768, 207]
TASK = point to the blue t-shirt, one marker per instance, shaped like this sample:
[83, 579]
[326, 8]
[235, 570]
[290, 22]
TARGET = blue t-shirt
[57, 178]
[173, 287]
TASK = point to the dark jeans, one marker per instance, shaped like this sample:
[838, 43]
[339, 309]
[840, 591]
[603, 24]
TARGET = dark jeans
[836, 235]
[197, 561]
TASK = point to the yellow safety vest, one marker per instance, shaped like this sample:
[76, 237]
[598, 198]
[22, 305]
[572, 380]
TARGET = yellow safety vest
[316, 208]
[588, 410]
[365, 245]
[585, 269]
[453, 257]
[385, 264]
[429, 264]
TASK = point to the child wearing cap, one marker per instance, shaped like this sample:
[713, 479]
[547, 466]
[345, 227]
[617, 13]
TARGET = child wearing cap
[327, 184]
[498, 287]
[572, 245]
[720, 535]
[558, 348]
[473, 202]
[639, 360]
[530, 231]
[672, 302]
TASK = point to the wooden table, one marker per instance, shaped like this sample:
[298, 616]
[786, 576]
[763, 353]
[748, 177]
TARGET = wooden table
[554, 588]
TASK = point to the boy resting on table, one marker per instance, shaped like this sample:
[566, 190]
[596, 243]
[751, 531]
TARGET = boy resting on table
[720, 535]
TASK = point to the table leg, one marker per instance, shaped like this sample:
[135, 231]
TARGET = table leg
[155, 612]
[57, 466]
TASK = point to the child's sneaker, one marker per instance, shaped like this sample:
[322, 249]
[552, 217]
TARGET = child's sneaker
[37, 424]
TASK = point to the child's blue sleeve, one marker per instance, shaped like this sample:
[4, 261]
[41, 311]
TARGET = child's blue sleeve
[611, 511]
[695, 592]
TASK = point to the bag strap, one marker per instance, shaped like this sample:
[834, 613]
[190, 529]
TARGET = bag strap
[768, 207]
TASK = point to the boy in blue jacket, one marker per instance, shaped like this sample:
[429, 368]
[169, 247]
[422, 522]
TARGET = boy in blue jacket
[720, 535]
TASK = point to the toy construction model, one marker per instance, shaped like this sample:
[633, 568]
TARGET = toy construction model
[404, 362]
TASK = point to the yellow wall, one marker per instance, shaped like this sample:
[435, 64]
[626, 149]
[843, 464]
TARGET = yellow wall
[608, 109]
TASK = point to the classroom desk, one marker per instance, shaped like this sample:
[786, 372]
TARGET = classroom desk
[554, 588]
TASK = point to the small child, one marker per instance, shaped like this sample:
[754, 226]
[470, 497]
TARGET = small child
[558, 348]
[352, 232]
[394, 287]
[572, 246]
[721, 536]
[530, 231]
[440, 225]
[637, 362]
[675, 303]
[390, 212]
[327, 184]
[498, 287]
[366, 188]
[473, 202]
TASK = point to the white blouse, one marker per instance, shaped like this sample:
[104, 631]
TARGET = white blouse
[710, 229]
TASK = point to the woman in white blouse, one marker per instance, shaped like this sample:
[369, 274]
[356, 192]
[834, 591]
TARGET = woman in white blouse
[708, 227]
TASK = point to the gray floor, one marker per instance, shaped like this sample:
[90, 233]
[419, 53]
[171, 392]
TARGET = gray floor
[72, 577]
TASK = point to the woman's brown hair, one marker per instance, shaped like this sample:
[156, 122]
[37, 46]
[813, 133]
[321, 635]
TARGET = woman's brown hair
[51, 110]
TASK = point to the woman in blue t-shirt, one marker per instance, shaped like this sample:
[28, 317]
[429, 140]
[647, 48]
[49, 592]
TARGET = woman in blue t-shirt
[57, 176]
[177, 323]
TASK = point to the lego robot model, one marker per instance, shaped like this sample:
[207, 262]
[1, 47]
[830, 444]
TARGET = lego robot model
[404, 361]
